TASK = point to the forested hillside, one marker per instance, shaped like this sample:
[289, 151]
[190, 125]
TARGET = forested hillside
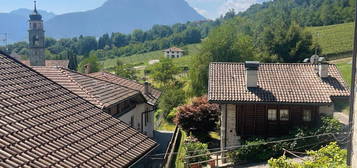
[260, 24]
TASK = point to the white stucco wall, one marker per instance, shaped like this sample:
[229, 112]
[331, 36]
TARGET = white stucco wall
[173, 54]
[138, 120]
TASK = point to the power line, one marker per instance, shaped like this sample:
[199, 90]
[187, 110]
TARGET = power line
[263, 143]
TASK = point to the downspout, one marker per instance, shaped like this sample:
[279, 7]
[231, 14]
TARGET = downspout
[142, 117]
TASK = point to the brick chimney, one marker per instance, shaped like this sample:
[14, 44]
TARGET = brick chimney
[251, 76]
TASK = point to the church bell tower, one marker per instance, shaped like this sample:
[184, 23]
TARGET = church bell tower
[36, 39]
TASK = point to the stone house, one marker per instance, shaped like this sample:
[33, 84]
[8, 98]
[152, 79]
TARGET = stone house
[44, 124]
[269, 99]
[173, 52]
[121, 102]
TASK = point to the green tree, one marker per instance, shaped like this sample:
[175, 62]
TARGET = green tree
[329, 156]
[224, 44]
[92, 62]
[163, 72]
[119, 39]
[172, 97]
[125, 70]
[104, 41]
[293, 45]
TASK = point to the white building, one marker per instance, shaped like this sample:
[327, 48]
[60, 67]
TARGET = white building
[173, 52]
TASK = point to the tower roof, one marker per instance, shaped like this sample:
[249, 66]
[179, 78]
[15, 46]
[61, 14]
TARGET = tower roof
[35, 15]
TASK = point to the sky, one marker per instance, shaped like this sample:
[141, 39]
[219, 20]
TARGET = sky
[209, 8]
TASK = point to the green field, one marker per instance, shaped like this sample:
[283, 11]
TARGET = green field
[144, 58]
[334, 39]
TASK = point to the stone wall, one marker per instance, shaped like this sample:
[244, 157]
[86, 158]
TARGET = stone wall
[229, 135]
[327, 110]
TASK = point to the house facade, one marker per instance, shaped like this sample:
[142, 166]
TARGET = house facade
[173, 52]
[151, 95]
[123, 103]
[270, 99]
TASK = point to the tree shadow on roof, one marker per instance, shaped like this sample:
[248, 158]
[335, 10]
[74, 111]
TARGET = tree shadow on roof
[264, 95]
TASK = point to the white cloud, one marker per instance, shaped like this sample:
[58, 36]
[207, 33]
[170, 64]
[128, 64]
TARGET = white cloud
[202, 12]
[237, 5]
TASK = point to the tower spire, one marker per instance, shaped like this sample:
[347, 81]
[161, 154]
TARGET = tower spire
[35, 6]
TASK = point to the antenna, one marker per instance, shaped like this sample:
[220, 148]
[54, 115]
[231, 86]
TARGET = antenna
[317, 39]
[3, 39]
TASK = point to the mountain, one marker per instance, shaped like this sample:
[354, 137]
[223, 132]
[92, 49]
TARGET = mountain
[26, 12]
[121, 16]
[15, 23]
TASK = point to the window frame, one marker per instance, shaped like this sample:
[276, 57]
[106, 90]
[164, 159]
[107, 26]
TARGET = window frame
[304, 115]
[276, 114]
[282, 117]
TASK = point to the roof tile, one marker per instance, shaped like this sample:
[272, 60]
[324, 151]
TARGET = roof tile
[42, 124]
[283, 83]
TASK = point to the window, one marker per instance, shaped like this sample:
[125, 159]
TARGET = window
[272, 114]
[306, 115]
[284, 115]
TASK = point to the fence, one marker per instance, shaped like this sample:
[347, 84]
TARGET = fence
[172, 148]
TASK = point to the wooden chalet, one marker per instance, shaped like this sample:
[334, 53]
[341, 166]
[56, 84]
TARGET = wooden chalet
[269, 99]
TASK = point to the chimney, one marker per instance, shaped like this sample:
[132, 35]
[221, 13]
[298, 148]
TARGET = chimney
[323, 70]
[146, 88]
[87, 69]
[251, 76]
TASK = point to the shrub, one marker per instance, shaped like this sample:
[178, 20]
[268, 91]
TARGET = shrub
[170, 99]
[199, 117]
[193, 148]
[251, 151]
[329, 156]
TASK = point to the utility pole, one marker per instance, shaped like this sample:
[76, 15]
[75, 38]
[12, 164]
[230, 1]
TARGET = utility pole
[351, 138]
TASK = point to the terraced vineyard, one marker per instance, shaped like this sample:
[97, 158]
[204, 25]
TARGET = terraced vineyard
[334, 39]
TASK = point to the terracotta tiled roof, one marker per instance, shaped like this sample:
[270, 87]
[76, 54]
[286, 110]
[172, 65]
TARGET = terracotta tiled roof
[99, 92]
[42, 124]
[174, 49]
[283, 83]
[152, 97]
[59, 63]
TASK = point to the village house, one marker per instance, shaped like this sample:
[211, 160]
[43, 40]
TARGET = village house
[173, 52]
[151, 94]
[259, 99]
[43, 124]
[121, 102]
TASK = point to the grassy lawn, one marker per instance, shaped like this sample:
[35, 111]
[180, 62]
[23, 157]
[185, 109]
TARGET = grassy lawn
[335, 38]
[144, 58]
[166, 126]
